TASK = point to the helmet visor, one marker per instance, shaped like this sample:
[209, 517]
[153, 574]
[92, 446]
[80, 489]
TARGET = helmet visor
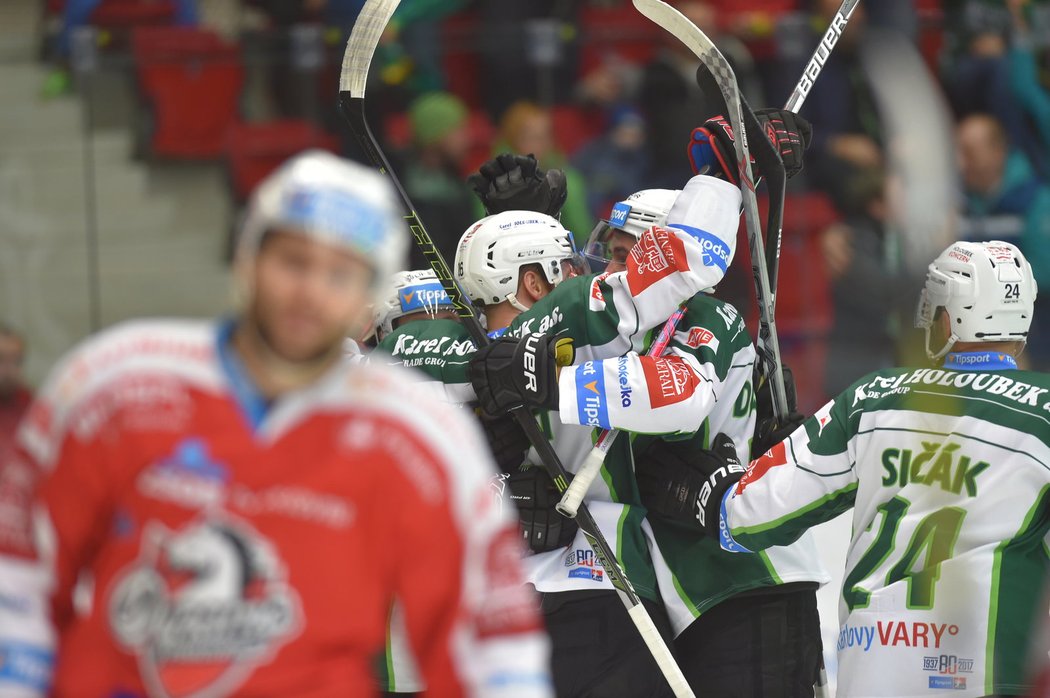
[607, 245]
[574, 265]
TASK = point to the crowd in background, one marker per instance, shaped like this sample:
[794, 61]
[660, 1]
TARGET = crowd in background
[590, 87]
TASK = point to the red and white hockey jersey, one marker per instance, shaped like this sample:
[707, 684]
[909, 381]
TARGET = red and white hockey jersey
[164, 534]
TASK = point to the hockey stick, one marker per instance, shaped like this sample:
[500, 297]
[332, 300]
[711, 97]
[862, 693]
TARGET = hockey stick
[794, 103]
[572, 499]
[703, 48]
[818, 59]
[360, 48]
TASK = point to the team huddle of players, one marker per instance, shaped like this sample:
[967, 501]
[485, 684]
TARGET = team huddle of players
[240, 508]
[909, 457]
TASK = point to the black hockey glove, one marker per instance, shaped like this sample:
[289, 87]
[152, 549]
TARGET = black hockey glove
[542, 527]
[514, 372]
[507, 441]
[711, 148]
[768, 430]
[681, 482]
[511, 182]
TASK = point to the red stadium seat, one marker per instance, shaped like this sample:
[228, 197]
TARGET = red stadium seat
[254, 150]
[461, 58]
[191, 79]
[117, 14]
[619, 30]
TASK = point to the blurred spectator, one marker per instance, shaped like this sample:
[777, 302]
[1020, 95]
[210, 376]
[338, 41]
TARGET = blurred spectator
[76, 14]
[1031, 93]
[1005, 200]
[847, 133]
[432, 171]
[673, 103]
[526, 52]
[856, 256]
[526, 128]
[976, 69]
[616, 163]
[14, 395]
[414, 32]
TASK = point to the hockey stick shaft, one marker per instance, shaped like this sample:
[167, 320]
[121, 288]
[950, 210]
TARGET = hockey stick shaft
[794, 103]
[703, 48]
[592, 464]
[820, 55]
[364, 38]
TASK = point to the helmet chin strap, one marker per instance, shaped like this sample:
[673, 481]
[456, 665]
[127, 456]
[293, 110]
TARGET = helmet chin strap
[512, 298]
[944, 350]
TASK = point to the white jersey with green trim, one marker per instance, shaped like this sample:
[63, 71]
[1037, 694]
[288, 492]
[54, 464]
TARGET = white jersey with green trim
[693, 575]
[948, 474]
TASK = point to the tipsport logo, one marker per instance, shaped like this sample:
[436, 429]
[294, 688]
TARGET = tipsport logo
[619, 214]
[714, 252]
[950, 683]
[590, 395]
[423, 297]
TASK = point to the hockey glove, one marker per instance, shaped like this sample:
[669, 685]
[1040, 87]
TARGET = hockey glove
[515, 183]
[681, 482]
[513, 372]
[768, 430]
[507, 441]
[542, 527]
[711, 146]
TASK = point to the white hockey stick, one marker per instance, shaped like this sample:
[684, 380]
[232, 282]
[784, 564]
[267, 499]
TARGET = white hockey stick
[592, 464]
[364, 38]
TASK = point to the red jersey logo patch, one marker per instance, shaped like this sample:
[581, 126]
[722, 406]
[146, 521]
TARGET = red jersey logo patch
[669, 381]
[770, 459]
[701, 337]
[658, 254]
[202, 607]
[597, 297]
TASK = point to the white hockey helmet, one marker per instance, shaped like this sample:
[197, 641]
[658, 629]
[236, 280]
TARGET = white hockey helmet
[413, 292]
[335, 201]
[634, 215]
[493, 250]
[986, 288]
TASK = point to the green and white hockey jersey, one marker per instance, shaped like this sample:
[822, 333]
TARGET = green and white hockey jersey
[948, 474]
[606, 316]
[693, 574]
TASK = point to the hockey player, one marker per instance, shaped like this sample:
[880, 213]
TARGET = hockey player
[496, 263]
[218, 509]
[717, 603]
[946, 472]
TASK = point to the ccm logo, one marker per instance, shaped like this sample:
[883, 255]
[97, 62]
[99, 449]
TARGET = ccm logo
[530, 363]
